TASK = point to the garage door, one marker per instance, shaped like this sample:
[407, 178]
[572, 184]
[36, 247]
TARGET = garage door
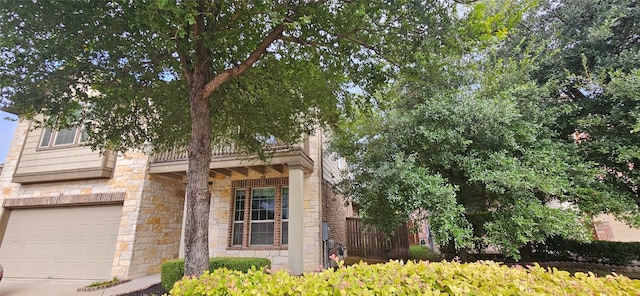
[66, 242]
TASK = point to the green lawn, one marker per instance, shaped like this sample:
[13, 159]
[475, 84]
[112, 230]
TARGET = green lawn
[418, 252]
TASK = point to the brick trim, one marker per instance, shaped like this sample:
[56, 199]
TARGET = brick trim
[262, 182]
[248, 185]
[65, 200]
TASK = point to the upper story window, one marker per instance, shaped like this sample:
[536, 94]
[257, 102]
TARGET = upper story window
[63, 137]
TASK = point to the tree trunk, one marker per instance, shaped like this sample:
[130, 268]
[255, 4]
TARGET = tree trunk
[198, 198]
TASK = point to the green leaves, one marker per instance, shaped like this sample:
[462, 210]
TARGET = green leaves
[397, 278]
[548, 115]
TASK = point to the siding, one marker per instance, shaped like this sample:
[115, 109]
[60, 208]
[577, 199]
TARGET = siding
[73, 162]
[332, 164]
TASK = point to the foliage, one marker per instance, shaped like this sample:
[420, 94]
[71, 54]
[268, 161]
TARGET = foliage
[422, 278]
[520, 124]
[606, 252]
[352, 260]
[173, 270]
[418, 252]
[488, 149]
[104, 283]
[588, 53]
[174, 73]
[121, 69]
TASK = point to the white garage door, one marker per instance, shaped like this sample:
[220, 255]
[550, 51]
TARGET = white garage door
[65, 242]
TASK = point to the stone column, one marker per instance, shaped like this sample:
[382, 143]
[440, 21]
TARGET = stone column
[296, 218]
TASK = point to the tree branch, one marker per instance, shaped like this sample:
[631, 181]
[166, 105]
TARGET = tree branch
[369, 47]
[302, 41]
[230, 73]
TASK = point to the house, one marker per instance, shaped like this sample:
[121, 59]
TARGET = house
[607, 227]
[69, 212]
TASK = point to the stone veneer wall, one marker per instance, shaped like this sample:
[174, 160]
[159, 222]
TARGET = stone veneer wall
[221, 197]
[312, 240]
[159, 225]
[130, 176]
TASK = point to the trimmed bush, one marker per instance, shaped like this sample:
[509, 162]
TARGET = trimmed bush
[607, 252]
[422, 278]
[173, 270]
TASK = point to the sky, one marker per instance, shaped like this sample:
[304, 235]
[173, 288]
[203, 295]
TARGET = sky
[7, 128]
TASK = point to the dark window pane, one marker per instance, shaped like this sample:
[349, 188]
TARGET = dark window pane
[238, 211]
[46, 137]
[262, 233]
[65, 136]
[237, 234]
[285, 203]
[238, 217]
[285, 233]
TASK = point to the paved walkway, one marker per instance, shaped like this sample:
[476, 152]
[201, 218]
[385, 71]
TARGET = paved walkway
[57, 287]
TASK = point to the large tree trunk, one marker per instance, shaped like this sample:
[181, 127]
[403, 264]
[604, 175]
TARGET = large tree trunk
[198, 198]
[201, 85]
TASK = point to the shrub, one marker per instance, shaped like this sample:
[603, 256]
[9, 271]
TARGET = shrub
[617, 253]
[417, 252]
[173, 270]
[352, 260]
[422, 278]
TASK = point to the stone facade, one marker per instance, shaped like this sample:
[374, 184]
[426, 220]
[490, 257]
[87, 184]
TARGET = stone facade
[152, 209]
[158, 226]
[221, 208]
[151, 221]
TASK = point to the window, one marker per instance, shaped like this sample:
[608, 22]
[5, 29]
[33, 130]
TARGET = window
[263, 206]
[285, 216]
[260, 214]
[63, 137]
[238, 217]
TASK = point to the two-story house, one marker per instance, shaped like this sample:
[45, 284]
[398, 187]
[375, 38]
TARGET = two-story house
[69, 212]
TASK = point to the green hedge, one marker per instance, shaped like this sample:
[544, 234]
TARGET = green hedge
[616, 253]
[422, 278]
[173, 270]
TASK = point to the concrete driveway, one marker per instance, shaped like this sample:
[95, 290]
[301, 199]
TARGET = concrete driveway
[58, 287]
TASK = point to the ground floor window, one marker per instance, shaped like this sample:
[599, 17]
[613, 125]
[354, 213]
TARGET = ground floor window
[260, 213]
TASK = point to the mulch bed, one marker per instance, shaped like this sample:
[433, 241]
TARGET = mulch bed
[156, 289]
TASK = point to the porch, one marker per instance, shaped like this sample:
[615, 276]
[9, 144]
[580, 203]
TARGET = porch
[235, 180]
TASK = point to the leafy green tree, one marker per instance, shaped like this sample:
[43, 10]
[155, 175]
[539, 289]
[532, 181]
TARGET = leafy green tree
[173, 73]
[512, 126]
[484, 149]
[591, 62]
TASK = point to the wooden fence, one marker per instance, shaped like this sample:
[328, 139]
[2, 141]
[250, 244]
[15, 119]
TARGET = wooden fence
[367, 242]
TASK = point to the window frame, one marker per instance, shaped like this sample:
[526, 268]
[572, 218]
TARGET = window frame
[279, 186]
[78, 138]
[255, 222]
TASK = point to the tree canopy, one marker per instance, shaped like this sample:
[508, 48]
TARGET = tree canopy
[176, 73]
[485, 154]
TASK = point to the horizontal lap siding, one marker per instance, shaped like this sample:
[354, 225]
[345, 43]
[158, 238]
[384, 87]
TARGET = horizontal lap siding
[33, 160]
